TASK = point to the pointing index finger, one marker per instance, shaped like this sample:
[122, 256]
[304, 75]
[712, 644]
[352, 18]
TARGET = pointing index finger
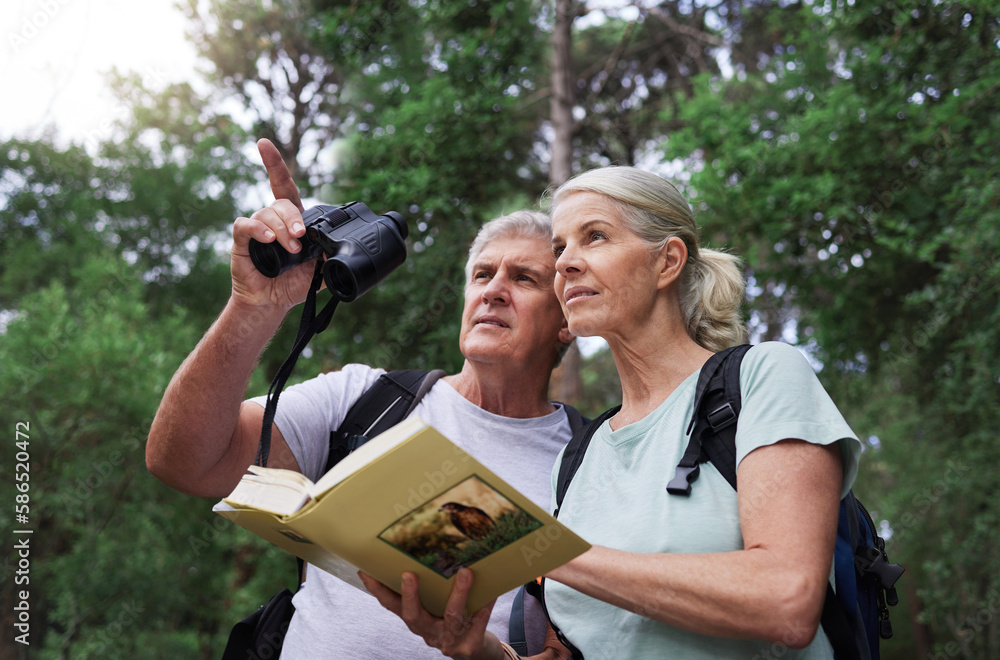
[282, 185]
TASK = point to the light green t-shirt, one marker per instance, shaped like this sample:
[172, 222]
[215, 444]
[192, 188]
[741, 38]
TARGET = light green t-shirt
[618, 499]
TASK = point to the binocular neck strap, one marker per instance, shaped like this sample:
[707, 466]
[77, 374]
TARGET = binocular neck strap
[311, 324]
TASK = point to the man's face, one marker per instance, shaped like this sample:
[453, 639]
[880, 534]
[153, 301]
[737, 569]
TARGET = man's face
[511, 312]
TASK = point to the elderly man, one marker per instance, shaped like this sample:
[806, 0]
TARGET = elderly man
[205, 435]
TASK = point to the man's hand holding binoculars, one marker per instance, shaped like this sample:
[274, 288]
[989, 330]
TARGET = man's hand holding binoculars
[281, 222]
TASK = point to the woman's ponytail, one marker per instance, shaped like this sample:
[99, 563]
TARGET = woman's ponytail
[712, 294]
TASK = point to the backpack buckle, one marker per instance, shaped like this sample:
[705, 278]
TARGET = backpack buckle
[681, 483]
[871, 560]
[355, 441]
[721, 417]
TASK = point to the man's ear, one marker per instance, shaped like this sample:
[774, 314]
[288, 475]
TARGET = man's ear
[565, 336]
[672, 259]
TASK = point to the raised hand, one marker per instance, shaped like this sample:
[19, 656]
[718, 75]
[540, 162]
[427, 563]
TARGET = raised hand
[281, 222]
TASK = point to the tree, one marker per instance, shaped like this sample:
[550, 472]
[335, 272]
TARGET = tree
[632, 75]
[160, 193]
[562, 97]
[442, 136]
[84, 369]
[566, 382]
[853, 172]
[289, 91]
[108, 273]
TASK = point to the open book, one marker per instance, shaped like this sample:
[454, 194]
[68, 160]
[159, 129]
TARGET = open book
[407, 500]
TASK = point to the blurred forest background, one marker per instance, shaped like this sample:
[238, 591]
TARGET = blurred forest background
[846, 149]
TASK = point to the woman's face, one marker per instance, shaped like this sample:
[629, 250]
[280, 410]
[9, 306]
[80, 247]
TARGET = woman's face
[606, 276]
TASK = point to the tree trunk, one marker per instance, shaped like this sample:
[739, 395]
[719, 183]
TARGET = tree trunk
[560, 169]
[566, 384]
[921, 633]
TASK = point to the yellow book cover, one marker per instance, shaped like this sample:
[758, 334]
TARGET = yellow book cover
[407, 500]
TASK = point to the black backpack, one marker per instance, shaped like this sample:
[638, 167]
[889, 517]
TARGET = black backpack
[856, 615]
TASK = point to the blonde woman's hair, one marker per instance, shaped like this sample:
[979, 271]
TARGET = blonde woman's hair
[712, 285]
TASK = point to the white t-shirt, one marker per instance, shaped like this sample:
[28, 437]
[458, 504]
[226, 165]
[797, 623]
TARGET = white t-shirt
[618, 499]
[335, 620]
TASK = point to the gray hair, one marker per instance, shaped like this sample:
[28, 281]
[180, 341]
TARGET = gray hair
[712, 285]
[517, 224]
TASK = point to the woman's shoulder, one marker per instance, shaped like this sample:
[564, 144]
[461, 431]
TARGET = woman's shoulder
[775, 351]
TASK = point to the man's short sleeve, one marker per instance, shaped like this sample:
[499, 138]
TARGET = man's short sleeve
[308, 412]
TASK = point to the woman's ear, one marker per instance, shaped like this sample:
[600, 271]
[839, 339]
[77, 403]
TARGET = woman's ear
[673, 258]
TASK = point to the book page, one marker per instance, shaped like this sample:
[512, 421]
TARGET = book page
[270, 489]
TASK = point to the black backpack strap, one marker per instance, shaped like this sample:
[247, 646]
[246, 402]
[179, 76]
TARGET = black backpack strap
[576, 420]
[517, 630]
[537, 589]
[583, 430]
[712, 430]
[718, 402]
[383, 405]
[721, 408]
[574, 452]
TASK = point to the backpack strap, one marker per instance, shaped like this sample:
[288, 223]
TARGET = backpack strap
[517, 629]
[839, 631]
[717, 404]
[583, 430]
[574, 452]
[537, 589]
[517, 634]
[576, 420]
[723, 384]
[383, 405]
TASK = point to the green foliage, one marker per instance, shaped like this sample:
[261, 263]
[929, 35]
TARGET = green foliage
[162, 195]
[109, 272]
[177, 175]
[49, 214]
[121, 567]
[855, 173]
[441, 132]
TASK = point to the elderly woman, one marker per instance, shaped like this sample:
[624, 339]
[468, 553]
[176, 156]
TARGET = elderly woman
[718, 574]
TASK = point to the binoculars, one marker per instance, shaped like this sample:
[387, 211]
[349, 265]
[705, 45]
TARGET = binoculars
[359, 247]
